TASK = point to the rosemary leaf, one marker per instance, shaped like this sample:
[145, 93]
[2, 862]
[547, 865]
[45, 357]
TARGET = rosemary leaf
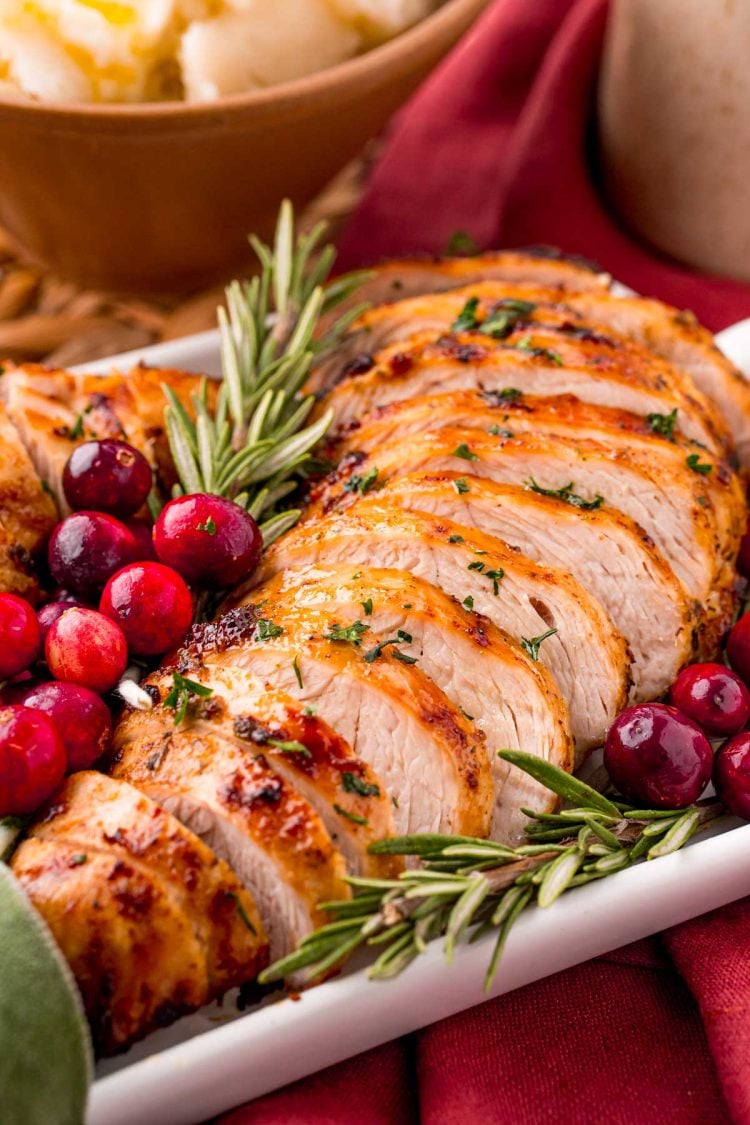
[558, 875]
[678, 834]
[563, 784]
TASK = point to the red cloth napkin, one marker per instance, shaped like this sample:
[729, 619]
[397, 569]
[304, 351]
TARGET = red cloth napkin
[498, 143]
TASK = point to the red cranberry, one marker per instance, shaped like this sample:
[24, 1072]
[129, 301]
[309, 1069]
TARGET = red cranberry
[107, 476]
[20, 636]
[212, 542]
[658, 758]
[81, 719]
[732, 775]
[32, 760]
[151, 604]
[48, 615]
[84, 647]
[713, 697]
[87, 548]
[142, 531]
[738, 647]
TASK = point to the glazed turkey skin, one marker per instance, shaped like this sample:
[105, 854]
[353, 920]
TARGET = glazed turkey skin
[605, 551]
[152, 924]
[516, 594]
[673, 335]
[537, 359]
[296, 743]
[675, 512]
[506, 415]
[513, 699]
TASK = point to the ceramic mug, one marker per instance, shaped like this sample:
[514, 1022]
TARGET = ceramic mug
[674, 125]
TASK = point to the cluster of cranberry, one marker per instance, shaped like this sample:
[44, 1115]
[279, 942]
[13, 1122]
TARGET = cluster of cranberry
[661, 756]
[122, 592]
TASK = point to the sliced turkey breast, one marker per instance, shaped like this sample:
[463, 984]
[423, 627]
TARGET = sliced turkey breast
[668, 333]
[583, 650]
[345, 792]
[152, 924]
[675, 512]
[538, 359]
[394, 280]
[428, 755]
[55, 410]
[605, 551]
[563, 415]
[271, 836]
[512, 698]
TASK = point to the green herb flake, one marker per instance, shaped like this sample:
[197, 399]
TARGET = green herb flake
[407, 605]
[353, 783]
[461, 486]
[297, 672]
[394, 802]
[46, 488]
[78, 860]
[507, 394]
[349, 634]
[76, 430]
[310, 710]
[566, 494]
[498, 431]
[468, 602]
[288, 747]
[461, 244]
[243, 913]
[693, 461]
[367, 606]
[455, 538]
[496, 576]
[532, 645]
[504, 318]
[402, 657]
[266, 630]
[663, 424]
[180, 694]
[467, 318]
[469, 718]
[209, 527]
[527, 345]
[362, 484]
[476, 566]
[402, 637]
[350, 815]
[464, 452]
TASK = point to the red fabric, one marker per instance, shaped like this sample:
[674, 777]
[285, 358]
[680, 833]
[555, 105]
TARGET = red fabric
[496, 143]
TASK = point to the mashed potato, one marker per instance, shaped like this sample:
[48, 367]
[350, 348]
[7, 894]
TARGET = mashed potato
[147, 50]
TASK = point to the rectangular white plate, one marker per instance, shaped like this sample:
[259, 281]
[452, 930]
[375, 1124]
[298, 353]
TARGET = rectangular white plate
[219, 1057]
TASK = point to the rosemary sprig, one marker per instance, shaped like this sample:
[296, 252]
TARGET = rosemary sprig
[253, 443]
[468, 887]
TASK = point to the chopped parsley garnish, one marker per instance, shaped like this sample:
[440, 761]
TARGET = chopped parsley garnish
[310, 710]
[288, 747]
[498, 431]
[402, 637]
[476, 566]
[468, 602]
[352, 634]
[694, 462]
[77, 860]
[467, 318]
[567, 494]
[76, 430]
[455, 538]
[209, 527]
[356, 575]
[461, 486]
[466, 714]
[394, 802]
[353, 783]
[266, 630]
[527, 345]
[464, 452]
[297, 672]
[507, 394]
[362, 484]
[46, 488]
[407, 605]
[496, 576]
[501, 322]
[461, 243]
[367, 606]
[533, 644]
[663, 424]
[180, 694]
[350, 815]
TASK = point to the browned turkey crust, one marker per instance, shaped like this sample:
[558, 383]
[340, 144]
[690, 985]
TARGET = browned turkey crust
[152, 924]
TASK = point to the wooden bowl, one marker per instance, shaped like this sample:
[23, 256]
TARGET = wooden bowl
[161, 197]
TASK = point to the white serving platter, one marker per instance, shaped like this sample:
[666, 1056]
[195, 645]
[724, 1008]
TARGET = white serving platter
[218, 1058]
